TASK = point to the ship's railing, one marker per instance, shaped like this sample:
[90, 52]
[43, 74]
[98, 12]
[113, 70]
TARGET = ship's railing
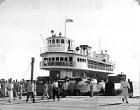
[58, 63]
[100, 67]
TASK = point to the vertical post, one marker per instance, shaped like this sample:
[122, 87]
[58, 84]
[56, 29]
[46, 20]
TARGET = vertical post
[65, 26]
[32, 68]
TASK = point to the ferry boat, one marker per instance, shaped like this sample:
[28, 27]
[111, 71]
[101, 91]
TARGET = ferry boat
[63, 59]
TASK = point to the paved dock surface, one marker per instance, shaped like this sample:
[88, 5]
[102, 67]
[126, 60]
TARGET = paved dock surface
[72, 103]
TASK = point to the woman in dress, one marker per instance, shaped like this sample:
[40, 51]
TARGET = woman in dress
[45, 91]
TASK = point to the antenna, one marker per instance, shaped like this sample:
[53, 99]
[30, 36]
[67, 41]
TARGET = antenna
[99, 44]
[43, 40]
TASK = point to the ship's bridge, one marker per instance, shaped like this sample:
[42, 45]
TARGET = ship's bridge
[59, 44]
[85, 50]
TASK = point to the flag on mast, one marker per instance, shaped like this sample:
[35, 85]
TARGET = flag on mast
[69, 20]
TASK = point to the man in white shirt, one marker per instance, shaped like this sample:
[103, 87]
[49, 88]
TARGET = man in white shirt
[55, 90]
[10, 90]
[30, 91]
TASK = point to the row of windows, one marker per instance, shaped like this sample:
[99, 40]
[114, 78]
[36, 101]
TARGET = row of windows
[101, 67]
[81, 60]
[58, 59]
[53, 41]
[90, 62]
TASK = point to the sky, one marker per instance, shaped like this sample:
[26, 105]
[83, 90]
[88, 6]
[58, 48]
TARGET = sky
[113, 23]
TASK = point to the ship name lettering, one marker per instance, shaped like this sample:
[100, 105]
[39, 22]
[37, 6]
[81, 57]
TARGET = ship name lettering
[54, 45]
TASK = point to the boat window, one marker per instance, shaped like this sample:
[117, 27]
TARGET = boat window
[52, 58]
[62, 40]
[45, 58]
[69, 44]
[82, 60]
[57, 40]
[61, 58]
[49, 59]
[53, 41]
[66, 59]
[49, 41]
[78, 59]
[57, 58]
[70, 58]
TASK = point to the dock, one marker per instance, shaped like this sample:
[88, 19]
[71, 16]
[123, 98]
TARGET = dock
[72, 103]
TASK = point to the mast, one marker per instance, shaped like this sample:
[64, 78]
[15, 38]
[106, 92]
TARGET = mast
[67, 21]
[99, 44]
[32, 68]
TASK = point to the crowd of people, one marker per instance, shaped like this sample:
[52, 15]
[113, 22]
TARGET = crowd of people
[14, 89]
[18, 87]
[51, 89]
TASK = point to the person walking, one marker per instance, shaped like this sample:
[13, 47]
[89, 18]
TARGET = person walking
[10, 89]
[91, 88]
[124, 88]
[30, 91]
[20, 90]
[45, 91]
[15, 89]
[1, 92]
[65, 87]
[130, 91]
[50, 89]
[6, 91]
[55, 90]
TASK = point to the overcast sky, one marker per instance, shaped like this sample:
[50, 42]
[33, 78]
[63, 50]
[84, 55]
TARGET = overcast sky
[115, 22]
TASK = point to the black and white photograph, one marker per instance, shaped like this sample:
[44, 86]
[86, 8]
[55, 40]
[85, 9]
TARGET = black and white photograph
[69, 54]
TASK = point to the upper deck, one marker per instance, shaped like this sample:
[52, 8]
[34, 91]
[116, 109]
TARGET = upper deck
[58, 44]
[59, 49]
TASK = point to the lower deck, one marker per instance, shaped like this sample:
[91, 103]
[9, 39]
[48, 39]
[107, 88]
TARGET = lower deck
[62, 74]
